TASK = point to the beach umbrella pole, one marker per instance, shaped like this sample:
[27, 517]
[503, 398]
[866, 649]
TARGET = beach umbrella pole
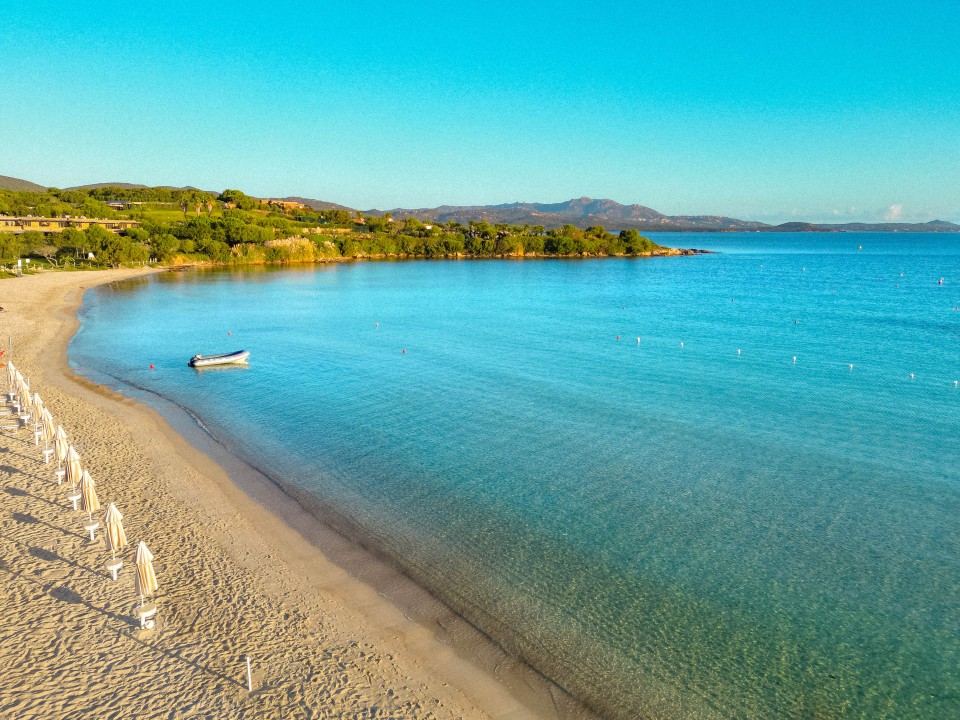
[249, 676]
[114, 566]
[91, 526]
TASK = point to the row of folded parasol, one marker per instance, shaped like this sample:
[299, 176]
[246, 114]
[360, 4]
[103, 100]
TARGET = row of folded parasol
[30, 413]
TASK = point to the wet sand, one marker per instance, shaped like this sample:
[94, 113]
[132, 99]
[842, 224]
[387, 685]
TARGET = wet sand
[243, 570]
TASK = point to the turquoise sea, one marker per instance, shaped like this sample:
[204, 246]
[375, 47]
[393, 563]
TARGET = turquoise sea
[725, 485]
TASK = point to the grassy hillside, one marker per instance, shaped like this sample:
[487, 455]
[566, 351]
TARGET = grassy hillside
[12, 183]
[188, 226]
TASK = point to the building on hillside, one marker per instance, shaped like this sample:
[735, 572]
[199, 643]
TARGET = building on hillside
[19, 224]
[282, 204]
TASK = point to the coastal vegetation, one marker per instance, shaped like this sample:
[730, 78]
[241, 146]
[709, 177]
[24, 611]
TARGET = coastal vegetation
[188, 226]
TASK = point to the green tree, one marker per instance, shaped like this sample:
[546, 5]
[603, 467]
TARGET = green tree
[240, 199]
[164, 246]
[11, 247]
[31, 241]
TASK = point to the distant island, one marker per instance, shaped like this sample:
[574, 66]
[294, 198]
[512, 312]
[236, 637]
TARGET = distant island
[117, 223]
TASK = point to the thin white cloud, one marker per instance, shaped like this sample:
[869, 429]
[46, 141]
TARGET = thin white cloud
[893, 213]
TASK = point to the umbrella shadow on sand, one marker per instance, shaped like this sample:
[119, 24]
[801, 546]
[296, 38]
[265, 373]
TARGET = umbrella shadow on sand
[64, 594]
[50, 556]
[24, 444]
[28, 519]
[18, 492]
[9, 469]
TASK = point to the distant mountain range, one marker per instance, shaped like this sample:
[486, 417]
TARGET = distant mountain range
[582, 212]
[128, 186]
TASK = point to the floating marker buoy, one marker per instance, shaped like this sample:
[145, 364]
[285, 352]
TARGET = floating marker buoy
[377, 324]
[955, 383]
[681, 344]
[229, 333]
[911, 376]
[404, 352]
[738, 351]
[851, 366]
[941, 282]
[151, 366]
[794, 359]
[859, 247]
[638, 339]
[618, 337]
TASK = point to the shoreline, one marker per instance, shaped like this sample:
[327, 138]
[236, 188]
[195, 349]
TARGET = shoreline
[292, 563]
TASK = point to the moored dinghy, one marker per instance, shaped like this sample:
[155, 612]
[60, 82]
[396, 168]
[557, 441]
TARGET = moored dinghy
[232, 358]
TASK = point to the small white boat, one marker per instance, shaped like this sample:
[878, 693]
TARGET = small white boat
[232, 358]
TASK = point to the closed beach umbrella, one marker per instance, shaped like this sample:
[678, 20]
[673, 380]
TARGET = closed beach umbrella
[146, 580]
[11, 377]
[49, 429]
[23, 388]
[37, 417]
[74, 473]
[25, 399]
[113, 527]
[88, 494]
[90, 503]
[60, 446]
[116, 537]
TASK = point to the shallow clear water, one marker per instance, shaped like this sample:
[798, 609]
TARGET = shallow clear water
[665, 527]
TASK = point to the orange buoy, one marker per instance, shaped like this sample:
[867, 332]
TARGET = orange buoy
[151, 366]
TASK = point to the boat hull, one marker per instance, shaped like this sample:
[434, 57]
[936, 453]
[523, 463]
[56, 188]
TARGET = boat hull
[233, 358]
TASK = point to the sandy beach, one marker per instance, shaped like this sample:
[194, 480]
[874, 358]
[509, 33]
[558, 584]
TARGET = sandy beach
[331, 631]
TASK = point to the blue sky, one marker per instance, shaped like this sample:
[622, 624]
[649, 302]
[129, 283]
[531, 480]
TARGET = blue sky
[817, 111]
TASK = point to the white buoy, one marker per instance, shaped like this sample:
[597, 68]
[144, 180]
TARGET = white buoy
[851, 366]
[794, 359]
[681, 344]
[911, 376]
[738, 351]
[638, 339]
